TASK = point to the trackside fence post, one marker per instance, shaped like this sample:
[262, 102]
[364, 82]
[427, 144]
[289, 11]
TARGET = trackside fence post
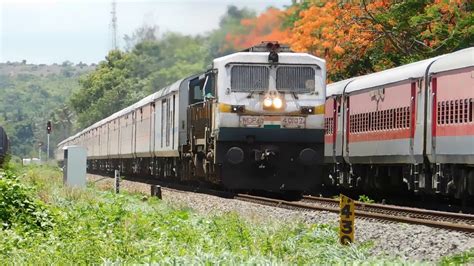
[156, 191]
[117, 181]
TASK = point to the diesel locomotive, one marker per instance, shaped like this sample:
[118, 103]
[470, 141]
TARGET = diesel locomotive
[253, 121]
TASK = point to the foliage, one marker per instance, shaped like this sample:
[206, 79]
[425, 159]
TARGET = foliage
[91, 226]
[18, 206]
[94, 227]
[365, 199]
[146, 33]
[229, 25]
[30, 95]
[464, 258]
[126, 77]
[358, 37]
[265, 27]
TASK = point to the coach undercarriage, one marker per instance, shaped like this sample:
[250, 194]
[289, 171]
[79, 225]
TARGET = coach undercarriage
[443, 179]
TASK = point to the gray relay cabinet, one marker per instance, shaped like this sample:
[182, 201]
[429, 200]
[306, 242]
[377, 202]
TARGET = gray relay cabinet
[75, 158]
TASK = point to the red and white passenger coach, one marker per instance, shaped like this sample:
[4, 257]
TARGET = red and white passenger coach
[407, 127]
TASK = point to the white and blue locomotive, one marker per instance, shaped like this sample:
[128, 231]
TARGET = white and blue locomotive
[254, 121]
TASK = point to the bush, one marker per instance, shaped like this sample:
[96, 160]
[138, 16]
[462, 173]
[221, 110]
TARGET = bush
[19, 207]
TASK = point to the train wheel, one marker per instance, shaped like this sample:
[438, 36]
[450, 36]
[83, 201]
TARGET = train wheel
[470, 182]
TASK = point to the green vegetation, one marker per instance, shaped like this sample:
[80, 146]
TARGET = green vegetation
[365, 199]
[459, 259]
[42, 221]
[30, 95]
[92, 226]
[126, 77]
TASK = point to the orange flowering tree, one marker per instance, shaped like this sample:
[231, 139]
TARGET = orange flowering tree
[357, 37]
[268, 26]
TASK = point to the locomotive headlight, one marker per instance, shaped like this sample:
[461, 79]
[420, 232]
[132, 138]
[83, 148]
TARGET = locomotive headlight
[277, 103]
[267, 102]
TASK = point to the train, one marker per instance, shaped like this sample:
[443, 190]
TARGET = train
[409, 128]
[253, 121]
[3, 145]
[264, 119]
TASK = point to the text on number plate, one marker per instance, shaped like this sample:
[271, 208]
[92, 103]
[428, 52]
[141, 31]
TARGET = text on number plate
[346, 220]
[293, 122]
[252, 121]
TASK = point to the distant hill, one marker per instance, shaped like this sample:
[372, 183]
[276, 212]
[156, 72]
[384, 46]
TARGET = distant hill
[30, 95]
[66, 69]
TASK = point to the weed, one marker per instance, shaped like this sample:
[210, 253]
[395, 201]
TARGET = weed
[365, 199]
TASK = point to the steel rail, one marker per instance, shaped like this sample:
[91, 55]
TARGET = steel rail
[358, 213]
[409, 210]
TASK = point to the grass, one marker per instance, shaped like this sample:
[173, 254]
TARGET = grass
[90, 226]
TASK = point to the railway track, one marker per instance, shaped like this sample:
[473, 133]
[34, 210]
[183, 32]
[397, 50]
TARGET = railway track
[444, 220]
[391, 213]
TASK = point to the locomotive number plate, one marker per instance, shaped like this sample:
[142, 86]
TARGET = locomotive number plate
[251, 121]
[293, 122]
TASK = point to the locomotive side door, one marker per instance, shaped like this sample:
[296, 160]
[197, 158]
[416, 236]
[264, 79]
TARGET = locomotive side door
[201, 100]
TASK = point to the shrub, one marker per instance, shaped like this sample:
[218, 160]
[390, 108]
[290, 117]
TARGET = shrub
[19, 207]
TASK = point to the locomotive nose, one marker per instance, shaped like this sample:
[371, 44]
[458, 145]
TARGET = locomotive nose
[235, 155]
[308, 156]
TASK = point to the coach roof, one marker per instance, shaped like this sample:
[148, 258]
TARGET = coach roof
[337, 88]
[390, 76]
[460, 59]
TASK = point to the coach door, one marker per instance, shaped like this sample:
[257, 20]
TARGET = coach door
[201, 95]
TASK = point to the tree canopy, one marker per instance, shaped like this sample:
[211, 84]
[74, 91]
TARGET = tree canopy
[358, 37]
[126, 77]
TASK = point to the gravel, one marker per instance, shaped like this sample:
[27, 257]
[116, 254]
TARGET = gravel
[413, 242]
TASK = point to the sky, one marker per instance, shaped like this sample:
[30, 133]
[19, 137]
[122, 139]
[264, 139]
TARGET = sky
[53, 31]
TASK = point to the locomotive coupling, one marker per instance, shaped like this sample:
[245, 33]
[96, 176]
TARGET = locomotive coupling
[266, 157]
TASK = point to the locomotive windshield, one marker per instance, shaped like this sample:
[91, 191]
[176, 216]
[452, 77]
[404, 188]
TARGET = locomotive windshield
[249, 78]
[295, 79]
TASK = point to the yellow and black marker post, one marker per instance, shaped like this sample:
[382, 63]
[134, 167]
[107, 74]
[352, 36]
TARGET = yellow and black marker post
[346, 220]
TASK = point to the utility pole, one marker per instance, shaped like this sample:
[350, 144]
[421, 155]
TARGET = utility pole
[40, 144]
[114, 25]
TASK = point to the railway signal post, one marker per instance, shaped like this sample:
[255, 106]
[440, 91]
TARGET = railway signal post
[48, 130]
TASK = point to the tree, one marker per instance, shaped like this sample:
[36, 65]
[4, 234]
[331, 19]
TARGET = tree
[126, 77]
[146, 33]
[229, 23]
[268, 26]
[362, 36]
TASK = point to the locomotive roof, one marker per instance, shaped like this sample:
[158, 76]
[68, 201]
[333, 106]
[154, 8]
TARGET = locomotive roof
[258, 57]
[460, 59]
[390, 76]
[337, 88]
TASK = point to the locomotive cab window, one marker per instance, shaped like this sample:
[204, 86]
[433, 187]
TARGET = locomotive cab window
[201, 88]
[249, 78]
[196, 93]
[209, 86]
[300, 79]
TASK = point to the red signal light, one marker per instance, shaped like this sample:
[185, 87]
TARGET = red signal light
[48, 127]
